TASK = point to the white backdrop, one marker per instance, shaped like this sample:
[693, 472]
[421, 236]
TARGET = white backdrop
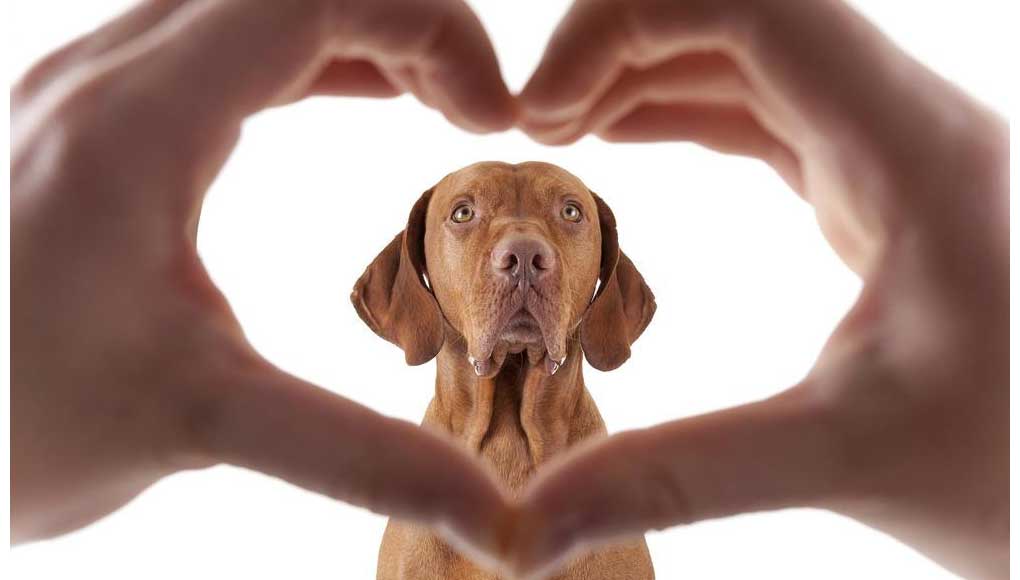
[746, 287]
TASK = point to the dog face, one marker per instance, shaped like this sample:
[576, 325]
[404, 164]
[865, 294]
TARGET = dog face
[513, 254]
[507, 258]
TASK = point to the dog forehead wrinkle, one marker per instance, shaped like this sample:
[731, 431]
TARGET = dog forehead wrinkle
[518, 192]
[541, 171]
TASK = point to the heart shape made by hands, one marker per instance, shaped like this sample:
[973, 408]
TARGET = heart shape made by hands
[113, 269]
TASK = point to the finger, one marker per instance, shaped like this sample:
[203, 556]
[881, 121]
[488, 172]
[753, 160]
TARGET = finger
[244, 57]
[727, 129]
[460, 70]
[808, 59]
[592, 45]
[268, 421]
[777, 453]
[111, 35]
[698, 77]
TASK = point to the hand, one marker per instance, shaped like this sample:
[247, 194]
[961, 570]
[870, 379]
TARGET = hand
[126, 362]
[903, 422]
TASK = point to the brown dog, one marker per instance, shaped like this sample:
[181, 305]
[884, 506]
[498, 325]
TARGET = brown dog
[495, 274]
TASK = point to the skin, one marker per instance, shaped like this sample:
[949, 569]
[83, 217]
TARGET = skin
[513, 414]
[903, 422]
[118, 336]
[127, 364]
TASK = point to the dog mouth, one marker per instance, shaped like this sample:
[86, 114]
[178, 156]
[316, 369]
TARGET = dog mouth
[520, 331]
[526, 327]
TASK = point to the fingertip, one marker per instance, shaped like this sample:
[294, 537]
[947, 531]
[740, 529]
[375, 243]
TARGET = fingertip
[499, 115]
[610, 135]
[480, 122]
[554, 135]
[544, 101]
[581, 60]
[489, 104]
[531, 545]
[461, 71]
[476, 109]
[556, 91]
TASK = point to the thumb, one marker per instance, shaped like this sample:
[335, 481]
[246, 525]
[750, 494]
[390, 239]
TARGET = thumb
[274, 423]
[766, 455]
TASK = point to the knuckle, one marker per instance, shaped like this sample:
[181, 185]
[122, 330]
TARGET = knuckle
[655, 29]
[634, 28]
[205, 399]
[112, 132]
[24, 88]
[63, 140]
[82, 123]
[978, 141]
[43, 71]
[194, 435]
[741, 24]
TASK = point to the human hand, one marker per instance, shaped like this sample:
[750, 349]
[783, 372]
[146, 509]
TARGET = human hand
[91, 328]
[903, 422]
[126, 362]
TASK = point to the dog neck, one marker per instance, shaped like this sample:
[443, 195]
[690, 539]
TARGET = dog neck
[547, 411]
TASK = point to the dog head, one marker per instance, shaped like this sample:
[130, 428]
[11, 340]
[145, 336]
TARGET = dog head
[511, 259]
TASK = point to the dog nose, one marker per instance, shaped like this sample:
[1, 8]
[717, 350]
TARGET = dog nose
[523, 257]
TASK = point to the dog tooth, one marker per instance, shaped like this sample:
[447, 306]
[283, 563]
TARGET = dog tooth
[483, 368]
[551, 366]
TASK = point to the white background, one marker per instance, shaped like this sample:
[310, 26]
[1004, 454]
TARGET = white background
[746, 287]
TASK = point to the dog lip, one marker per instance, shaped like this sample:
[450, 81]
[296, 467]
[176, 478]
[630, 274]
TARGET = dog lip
[522, 325]
[523, 317]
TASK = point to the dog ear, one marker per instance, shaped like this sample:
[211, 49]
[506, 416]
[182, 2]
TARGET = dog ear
[392, 298]
[623, 305]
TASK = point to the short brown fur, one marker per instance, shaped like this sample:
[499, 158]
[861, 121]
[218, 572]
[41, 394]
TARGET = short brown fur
[517, 415]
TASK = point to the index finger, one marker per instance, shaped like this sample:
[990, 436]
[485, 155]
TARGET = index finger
[816, 65]
[212, 63]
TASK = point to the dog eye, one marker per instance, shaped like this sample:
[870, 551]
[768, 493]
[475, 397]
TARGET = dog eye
[462, 214]
[571, 213]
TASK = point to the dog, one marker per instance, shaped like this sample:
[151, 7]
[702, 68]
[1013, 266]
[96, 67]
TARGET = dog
[495, 275]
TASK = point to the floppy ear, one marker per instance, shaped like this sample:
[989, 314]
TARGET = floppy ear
[623, 305]
[391, 296]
